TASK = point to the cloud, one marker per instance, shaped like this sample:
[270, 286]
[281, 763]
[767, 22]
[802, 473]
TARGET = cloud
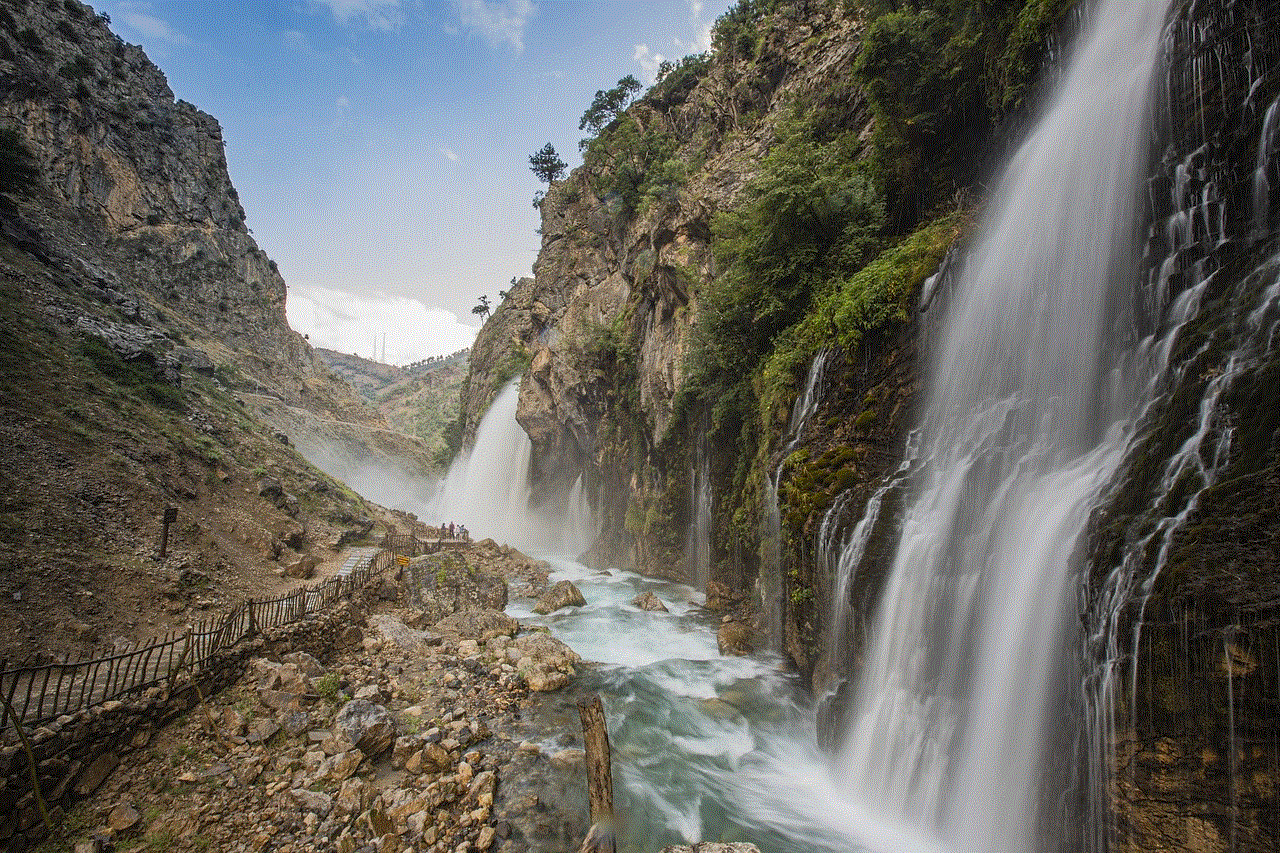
[297, 41]
[350, 322]
[450, 153]
[496, 21]
[695, 8]
[150, 26]
[649, 63]
[372, 14]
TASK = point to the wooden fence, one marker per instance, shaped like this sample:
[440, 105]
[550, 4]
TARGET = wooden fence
[40, 690]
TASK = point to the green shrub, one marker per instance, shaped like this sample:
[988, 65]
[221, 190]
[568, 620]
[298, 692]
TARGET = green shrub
[138, 377]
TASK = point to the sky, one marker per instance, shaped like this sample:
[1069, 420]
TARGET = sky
[381, 147]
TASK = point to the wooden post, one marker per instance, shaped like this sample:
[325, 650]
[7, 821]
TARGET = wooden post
[170, 516]
[595, 739]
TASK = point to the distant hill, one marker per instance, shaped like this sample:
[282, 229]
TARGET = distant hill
[418, 399]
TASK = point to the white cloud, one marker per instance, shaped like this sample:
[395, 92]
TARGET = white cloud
[297, 41]
[695, 8]
[371, 14]
[150, 26]
[496, 21]
[450, 153]
[649, 63]
[350, 322]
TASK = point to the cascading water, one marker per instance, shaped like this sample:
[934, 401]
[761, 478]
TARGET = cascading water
[698, 545]
[1032, 408]
[770, 518]
[487, 489]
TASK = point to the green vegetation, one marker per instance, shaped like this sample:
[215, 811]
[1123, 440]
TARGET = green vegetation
[812, 217]
[939, 75]
[137, 377]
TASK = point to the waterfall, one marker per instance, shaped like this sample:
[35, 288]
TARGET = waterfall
[770, 518]
[1034, 399]
[698, 546]
[487, 490]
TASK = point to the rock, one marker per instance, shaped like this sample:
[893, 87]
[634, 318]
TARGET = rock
[123, 818]
[342, 766]
[394, 631]
[719, 597]
[368, 691]
[485, 839]
[96, 773]
[713, 847]
[370, 727]
[352, 796]
[305, 663]
[302, 568]
[479, 624]
[545, 662]
[313, 801]
[734, 637]
[650, 602]
[293, 722]
[563, 594]
[264, 730]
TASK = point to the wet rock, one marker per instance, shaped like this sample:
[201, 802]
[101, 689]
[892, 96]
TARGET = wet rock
[650, 602]
[563, 594]
[370, 727]
[734, 637]
[719, 597]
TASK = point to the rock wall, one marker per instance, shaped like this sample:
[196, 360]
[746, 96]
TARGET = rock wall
[599, 334]
[146, 176]
[1195, 758]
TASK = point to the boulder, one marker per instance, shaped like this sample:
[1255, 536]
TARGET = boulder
[545, 663]
[650, 602]
[719, 596]
[370, 727]
[478, 624]
[563, 594]
[734, 637]
[302, 568]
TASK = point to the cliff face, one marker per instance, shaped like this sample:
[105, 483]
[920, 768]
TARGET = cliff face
[139, 315]
[600, 334]
[1194, 523]
[1179, 596]
[145, 175]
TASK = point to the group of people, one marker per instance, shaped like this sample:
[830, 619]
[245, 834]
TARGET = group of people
[452, 531]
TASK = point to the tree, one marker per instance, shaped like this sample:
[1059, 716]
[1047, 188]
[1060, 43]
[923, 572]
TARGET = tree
[482, 310]
[546, 164]
[607, 106]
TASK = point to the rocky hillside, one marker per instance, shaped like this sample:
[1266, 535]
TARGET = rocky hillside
[419, 399]
[139, 318]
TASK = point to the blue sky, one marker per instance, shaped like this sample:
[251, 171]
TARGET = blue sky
[380, 147]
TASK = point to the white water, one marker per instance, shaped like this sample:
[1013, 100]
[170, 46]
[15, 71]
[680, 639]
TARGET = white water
[487, 490]
[770, 582]
[1031, 411]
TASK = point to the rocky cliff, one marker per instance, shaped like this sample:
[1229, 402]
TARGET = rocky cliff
[139, 315]
[646, 276]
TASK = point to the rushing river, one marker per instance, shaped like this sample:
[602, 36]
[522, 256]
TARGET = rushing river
[700, 740]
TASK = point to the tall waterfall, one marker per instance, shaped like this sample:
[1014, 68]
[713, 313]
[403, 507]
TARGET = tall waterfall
[487, 489]
[1036, 385]
[770, 584]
